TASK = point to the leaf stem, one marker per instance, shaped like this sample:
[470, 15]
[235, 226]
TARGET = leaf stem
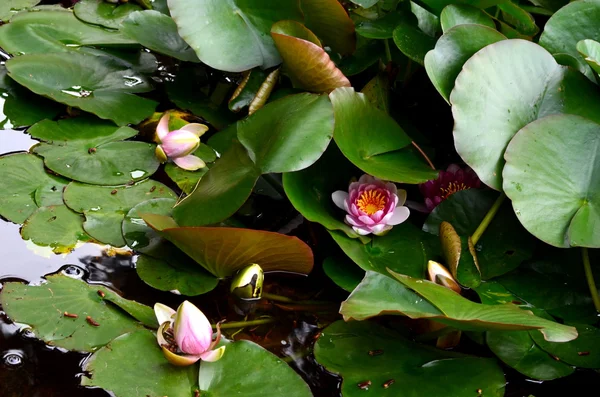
[285, 299]
[590, 278]
[488, 218]
[388, 52]
[536, 10]
[424, 155]
[243, 324]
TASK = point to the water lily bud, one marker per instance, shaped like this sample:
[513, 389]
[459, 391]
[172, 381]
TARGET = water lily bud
[193, 332]
[178, 145]
[440, 275]
[248, 282]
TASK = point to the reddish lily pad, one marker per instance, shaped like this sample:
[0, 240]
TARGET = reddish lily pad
[330, 21]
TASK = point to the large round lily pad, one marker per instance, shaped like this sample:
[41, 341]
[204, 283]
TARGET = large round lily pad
[103, 13]
[90, 150]
[553, 179]
[137, 234]
[401, 367]
[516, 82]
[55, 226]
[97, 84]
[330, 21]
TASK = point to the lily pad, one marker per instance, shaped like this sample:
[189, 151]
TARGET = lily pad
[100, 12]
[373, 141]
[365, 56]
[452, 50]
[177, 274]
[43, 307]
[232, 35]
[90, 150]
[306, 62]
[590, 50]
[187, 180]
[462, 14]
[559, 151]
[412, 41]
[517, 82]
[152, 376]
[383, 27]
[137, 234]
[9, 8]
[224, 250]
[41, 31]
[22, 176]
[105, 207]
[157, 32]
[583, 352]
[55, 226]
[247, 363]
[99, 85]
[288, 134]
[403, 367]
[343, 272]
[330, 21]
[221, 192]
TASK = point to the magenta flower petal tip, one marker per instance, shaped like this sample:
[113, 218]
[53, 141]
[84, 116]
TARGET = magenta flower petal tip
[452, 180]
[372, 206]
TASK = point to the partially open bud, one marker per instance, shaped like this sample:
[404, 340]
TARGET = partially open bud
[248, 283]
[440, 275]
[178, 145]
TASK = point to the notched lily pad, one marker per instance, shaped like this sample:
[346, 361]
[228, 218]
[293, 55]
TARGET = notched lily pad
[137, 234]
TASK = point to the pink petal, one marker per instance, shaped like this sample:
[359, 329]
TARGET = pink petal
[193, 332]
[353, 221]
[361, 230]
[377, 216]
[400, 215]
[162, 129]
[195, 128]
[189, 162]
[390, 187]
[366, 178]
[213, 355]
[453, 168]
[339, 197]
[379, 229]
[366, 220]
[179, 143]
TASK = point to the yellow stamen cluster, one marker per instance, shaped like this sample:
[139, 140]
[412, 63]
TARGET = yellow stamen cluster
[453, 187]
[371, 201]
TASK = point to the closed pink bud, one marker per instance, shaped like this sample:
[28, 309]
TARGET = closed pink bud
[193, 332]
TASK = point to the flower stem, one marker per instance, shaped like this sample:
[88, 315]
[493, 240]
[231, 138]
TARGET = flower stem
[424, 155]
[388, 53]
[285, 299]
[590, 278]
[488, 218]
[243, 324]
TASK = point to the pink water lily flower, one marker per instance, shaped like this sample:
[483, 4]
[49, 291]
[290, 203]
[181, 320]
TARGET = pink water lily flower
[178, 145]
[372, 205]
[448, 182]
[185, 336]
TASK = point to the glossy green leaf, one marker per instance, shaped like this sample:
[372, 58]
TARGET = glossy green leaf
[343, 272]
[377, 91]
[157, 32]
[151, 376]
[413, 42]
[256, 371]
[43, 307]
[224, 250]
[8, 8]
[590, 50]
[364, 57]
[583, 352]
[103, 13]
[462, 14]
[232, 35]
[382, 28]
[436, 6]
[22, 176]
[141, 237]
[416, 370]
[572, 23]
[452, 50]
[310, 190]
[177, 274]
[404, 249]
[93, 151]
[187, 180]
[98, 85]
[426, 21]
[373, 141]
[221, 192]
[57, 30]
[505, 243]
[55, 226]
[105, 207]
[517, 82]
[288, 134]
[330, 21]
[560, 151]
[518, 350]
[522, 21]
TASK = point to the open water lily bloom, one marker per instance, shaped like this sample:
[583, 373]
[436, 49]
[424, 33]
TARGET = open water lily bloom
[372, 205]
[178, 145]
[185, 336]
[448, 182]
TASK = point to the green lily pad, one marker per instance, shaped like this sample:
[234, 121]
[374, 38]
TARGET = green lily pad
[55, 226]
[288, 134]
[583, 352]
[100, 12]
[504, 245]
[41, 31]
[187, 180]
[383, 27]
[93, 151]
[373, 141]
[105, 207]
[539, 156]
[256, 373]
[232, 35]
[365, 56]
[426, 21]
[310, 190]
[179, 274]
[23, 175]
[377, 90]
[401, 367]
[9, 8]
[304, 60]
[590, 50]
[517, 82]
[152, 376]
[137, 234]
[462, 14]
[157, 32]
[572, 23]
[343, 272]
[518, 350]
[330, 21]
[404, 249]
[221, 191]
[412, 41]
[43, 307]
[452, 50]
[95, 84]
[436, 6]
[520, 19]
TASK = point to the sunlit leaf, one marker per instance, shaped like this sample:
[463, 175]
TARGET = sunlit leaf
[462, 14]
[55, 226]
[103, 13]
[590, 50]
